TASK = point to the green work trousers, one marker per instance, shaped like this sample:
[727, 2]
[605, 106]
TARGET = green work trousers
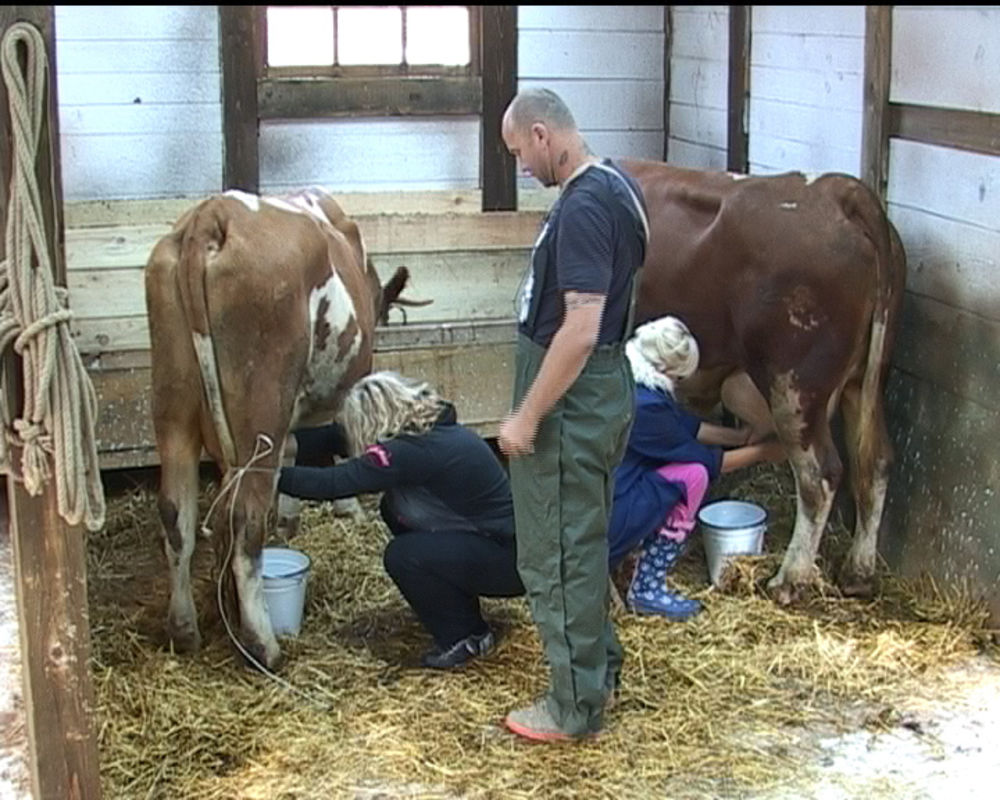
[562, 501]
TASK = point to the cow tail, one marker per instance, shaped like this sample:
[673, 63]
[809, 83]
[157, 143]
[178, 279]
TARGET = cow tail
[890, 275]
[204, 239]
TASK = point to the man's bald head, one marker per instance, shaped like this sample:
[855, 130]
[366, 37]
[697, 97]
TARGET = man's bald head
[540, 105]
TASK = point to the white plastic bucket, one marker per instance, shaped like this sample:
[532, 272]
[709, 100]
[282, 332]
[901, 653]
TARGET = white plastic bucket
[285, 572]
[731, 528]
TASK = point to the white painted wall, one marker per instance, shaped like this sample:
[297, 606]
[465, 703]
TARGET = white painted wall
[699, 67]
[607, 63]
[139, 101]
[806, 65]
[140, 110]
[947, 56]
[370, 155]
[946, 205]
[806, 92]
[946, 202]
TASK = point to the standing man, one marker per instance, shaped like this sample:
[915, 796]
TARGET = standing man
[573, 405]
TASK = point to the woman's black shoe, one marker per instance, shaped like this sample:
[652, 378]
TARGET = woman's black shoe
[463, 650]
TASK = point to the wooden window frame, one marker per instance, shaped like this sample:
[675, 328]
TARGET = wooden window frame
[253, 92]
[389, 90]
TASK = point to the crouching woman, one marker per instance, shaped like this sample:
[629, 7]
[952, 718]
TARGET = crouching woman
[446, 499]
[670, 460]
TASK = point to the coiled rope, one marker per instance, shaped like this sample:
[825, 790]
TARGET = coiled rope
[60, 405]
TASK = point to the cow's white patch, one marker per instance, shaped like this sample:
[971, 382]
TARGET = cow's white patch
[205, 350]
[786, 404]
[182, 614]
[284, 205]
[304, 203]
[251, 201]
[253, 610]
[328, 360]
[802, 319]
[310, 205]
[803, 308]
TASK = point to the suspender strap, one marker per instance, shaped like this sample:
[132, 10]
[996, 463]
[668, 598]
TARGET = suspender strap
[630, 314]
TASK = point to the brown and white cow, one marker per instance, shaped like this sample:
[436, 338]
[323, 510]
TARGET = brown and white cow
[262, 313]
[796, 283]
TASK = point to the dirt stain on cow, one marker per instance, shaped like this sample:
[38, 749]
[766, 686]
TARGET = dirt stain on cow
[321, 329]
[802, 308]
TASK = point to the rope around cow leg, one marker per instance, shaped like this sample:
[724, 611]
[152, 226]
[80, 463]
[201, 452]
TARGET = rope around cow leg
[263, 448]
[60, 405]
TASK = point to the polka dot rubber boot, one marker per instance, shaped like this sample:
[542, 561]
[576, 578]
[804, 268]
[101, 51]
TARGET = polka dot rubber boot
[647, 593]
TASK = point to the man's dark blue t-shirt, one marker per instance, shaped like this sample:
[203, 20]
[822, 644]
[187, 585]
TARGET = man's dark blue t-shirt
[592, 241]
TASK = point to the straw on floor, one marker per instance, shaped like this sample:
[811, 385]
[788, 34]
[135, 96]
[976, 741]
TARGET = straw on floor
[713, 707]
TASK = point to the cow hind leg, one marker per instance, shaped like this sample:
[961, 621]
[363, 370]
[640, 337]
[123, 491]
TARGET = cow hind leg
[244, 521]
[178, 510]
[289, 508]
[817, 469]
[869, 454]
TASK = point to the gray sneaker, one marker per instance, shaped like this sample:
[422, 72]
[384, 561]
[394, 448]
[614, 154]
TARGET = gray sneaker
[536, 723]
[459, 653]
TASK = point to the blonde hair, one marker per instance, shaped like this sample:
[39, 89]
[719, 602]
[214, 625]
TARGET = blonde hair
[661, 351]
[385, 404]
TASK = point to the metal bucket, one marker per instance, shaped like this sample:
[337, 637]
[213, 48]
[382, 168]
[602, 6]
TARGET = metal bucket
[285, 572]
[730, 528]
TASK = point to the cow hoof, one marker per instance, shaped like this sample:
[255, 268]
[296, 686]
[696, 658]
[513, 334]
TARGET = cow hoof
[184, 638]
[254, 656]
[853, 585]
[785, 593]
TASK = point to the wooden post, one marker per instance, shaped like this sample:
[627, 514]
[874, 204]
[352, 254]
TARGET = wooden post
[49, 556]
[241, 43]
[668, 43]
[737, 139]
[875, 125]
[499, 70]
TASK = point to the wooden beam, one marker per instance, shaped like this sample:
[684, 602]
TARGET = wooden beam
[241, 47]
[316, 98]
[498, 27]
[49, 556]
[668, 40]
[737, 138]
[978, 131]
[875, 124]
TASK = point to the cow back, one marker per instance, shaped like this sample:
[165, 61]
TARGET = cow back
[756, 266]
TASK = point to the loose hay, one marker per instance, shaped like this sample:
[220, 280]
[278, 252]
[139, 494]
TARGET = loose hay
[710, 707]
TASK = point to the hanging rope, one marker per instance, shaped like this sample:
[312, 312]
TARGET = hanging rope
[60, 405]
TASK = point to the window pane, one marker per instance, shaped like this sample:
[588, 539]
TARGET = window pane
[437, 35]
[370, 35]
[299, 36]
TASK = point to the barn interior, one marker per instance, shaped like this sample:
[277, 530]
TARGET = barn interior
[154, 107]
